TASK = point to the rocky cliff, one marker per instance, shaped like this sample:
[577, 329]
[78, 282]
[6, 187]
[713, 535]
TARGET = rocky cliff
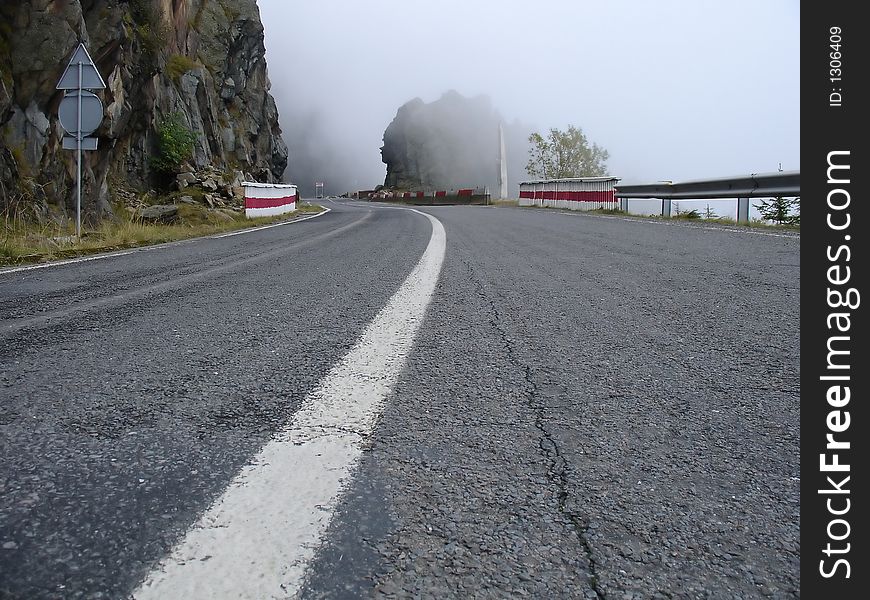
[197, 62]
[451, 143]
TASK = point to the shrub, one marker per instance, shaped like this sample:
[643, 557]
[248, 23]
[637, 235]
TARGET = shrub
[175, 143]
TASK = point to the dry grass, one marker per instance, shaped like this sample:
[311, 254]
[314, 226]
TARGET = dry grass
[22, 242]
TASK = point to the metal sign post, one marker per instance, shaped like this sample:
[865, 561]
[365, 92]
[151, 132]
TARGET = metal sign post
[80, 113]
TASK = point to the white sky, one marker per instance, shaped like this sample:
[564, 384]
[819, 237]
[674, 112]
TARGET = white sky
[674, 89]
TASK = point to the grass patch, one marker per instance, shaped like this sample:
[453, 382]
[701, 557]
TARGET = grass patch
[608, 211]
[692, 215]
[22, 243]
[179, 64]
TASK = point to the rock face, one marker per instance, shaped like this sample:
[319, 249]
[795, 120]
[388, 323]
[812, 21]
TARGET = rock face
[202, 60]
[451, 143]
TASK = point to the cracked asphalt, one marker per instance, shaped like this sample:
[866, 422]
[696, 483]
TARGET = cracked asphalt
[598, 408]
[594, 407]
[134, 388]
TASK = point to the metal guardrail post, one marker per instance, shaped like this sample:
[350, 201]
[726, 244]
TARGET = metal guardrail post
[666, 208]
[743, 210]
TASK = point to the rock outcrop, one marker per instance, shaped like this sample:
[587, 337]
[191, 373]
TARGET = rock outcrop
[201, 61]
[451, 143]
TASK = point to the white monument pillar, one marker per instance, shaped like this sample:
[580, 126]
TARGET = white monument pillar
[502, 165]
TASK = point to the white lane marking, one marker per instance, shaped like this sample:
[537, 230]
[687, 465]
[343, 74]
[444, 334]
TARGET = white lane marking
[60, 263]
[244, 231]
[257, 539]
[71, 261]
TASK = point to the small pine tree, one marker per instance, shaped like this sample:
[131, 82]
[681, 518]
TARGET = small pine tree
[709, 213]
[782, 211]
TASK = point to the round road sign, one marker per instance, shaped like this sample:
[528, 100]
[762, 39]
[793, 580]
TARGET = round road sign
[92, 112]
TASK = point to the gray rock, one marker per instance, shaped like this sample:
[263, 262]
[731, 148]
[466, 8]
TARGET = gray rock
[185, 179]
[228, 91]
[222, 215]
[159, 213]
[449, 144]
[229, 139]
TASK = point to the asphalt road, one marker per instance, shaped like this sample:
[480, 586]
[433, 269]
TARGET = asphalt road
[593, 408]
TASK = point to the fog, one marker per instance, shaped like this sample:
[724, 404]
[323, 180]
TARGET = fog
[672, 89]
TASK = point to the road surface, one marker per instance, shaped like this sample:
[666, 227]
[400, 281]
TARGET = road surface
[537, 404]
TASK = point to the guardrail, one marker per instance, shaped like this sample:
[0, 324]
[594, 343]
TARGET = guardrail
[755, 185]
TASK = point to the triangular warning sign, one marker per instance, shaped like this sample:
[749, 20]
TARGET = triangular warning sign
[91, 79]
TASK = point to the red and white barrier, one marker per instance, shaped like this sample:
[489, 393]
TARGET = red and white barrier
[579, 193]
[269, 199]
[476, 195]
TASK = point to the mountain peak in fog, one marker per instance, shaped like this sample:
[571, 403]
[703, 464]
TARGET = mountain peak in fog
[450, 143]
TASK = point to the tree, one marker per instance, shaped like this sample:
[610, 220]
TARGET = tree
[782, 211]
[709, 213]
[565, 154]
